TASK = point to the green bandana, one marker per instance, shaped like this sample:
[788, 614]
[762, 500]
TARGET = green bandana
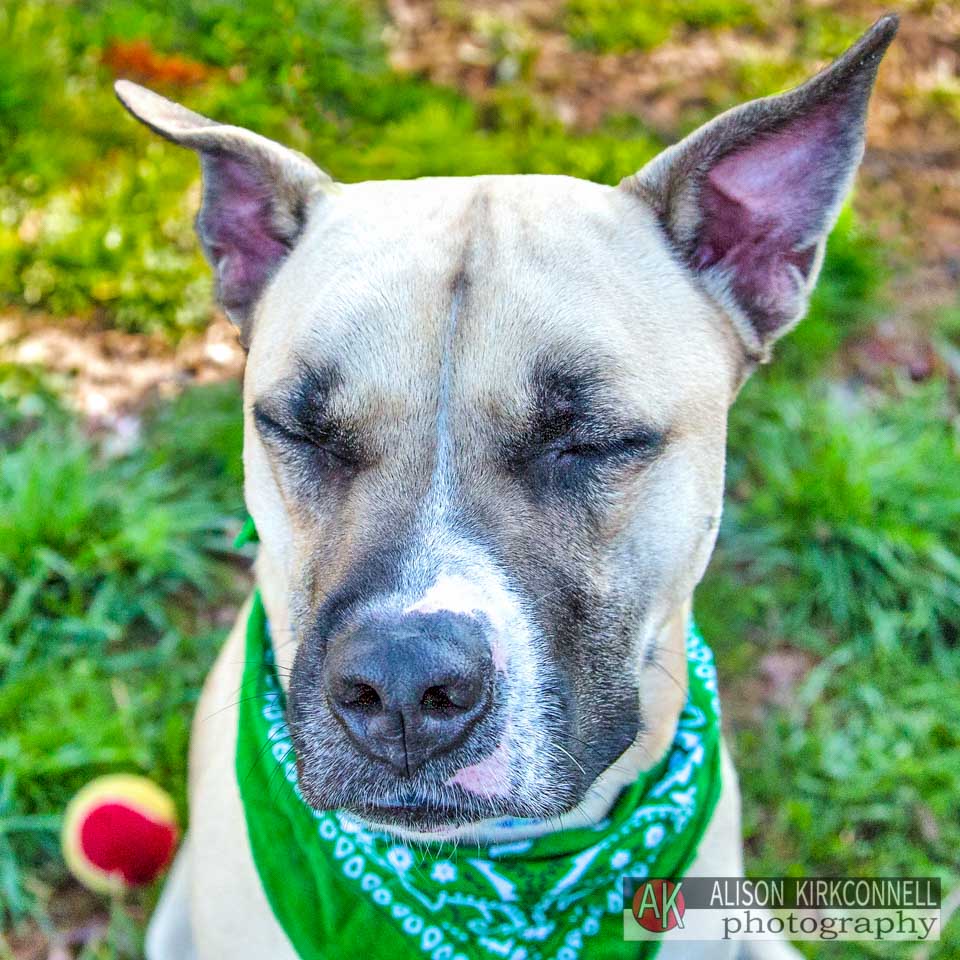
[339, 889]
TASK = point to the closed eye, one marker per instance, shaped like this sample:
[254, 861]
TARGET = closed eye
[585, 451]
[328, 441]
[643, 444]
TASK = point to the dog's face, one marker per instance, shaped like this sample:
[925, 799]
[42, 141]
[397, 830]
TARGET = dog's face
[485, 417]
[485, 433]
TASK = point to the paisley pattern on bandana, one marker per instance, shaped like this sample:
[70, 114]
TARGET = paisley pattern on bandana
[339, 889]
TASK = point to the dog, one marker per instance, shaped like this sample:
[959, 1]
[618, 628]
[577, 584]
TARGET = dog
[485, 425]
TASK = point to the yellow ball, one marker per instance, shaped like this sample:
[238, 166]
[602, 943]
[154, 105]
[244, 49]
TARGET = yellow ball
[119, 831]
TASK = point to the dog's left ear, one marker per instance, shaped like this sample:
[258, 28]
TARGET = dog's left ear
[747, 200]
[256, 196]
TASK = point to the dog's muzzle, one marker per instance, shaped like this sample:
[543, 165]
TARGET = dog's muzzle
[410, 687]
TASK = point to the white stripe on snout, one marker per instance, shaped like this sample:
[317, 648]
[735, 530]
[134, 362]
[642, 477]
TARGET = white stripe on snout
[449, 573]
[470, 584]
[471, 597]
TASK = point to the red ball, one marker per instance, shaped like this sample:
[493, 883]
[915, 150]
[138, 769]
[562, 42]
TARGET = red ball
[119, 831]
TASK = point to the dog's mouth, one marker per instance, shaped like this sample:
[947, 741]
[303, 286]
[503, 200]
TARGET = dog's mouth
[428, 814]
[417, 814]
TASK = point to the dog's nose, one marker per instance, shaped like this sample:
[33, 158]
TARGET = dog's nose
[410, 688]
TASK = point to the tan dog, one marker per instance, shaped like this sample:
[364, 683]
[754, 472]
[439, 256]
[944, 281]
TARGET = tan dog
[485, 425]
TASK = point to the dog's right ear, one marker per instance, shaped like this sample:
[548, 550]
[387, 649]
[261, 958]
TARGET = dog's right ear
[747, 200]
[256, 196]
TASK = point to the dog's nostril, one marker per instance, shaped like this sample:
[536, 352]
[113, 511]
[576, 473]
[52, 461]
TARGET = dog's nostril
[408, 688]
[437, 700]
[364, 697]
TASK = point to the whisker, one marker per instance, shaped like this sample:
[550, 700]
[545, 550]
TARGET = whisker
[663, 669]
[573, 758]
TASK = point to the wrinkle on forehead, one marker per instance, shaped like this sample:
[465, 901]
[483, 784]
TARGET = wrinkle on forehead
[474, 219]
[435, 295]
[441, 481]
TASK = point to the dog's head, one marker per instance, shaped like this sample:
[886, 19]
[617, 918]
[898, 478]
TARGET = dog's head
[485, 432]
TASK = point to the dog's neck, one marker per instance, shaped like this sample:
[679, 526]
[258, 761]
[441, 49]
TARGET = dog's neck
[662, 693]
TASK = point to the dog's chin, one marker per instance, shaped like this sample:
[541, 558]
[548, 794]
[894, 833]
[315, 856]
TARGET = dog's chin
[426, 818]
[422, 816]
[438, 819]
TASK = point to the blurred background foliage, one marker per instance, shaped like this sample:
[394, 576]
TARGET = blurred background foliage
[834, 597]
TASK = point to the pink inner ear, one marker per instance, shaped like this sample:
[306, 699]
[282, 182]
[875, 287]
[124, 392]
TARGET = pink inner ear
[764, 207]
[237, 226]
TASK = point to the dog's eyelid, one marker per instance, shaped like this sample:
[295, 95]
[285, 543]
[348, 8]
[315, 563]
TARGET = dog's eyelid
[271, 423]
[644, 440]
[328, 442]
[652, 438]
[592, 440]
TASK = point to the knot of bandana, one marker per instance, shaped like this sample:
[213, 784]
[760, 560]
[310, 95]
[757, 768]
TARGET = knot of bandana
[339, 889]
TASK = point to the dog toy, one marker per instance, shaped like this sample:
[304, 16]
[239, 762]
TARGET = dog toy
[119, 831]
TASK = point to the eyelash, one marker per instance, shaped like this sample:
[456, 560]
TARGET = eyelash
[620, 450]
[641, 447]
[645, 443]
[315, 445]
[567, 459]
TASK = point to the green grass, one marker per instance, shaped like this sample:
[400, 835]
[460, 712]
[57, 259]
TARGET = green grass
[843, 519]
[841, 538]
[611, 26]
[860, 778]
[105, 227]
[110, 570]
